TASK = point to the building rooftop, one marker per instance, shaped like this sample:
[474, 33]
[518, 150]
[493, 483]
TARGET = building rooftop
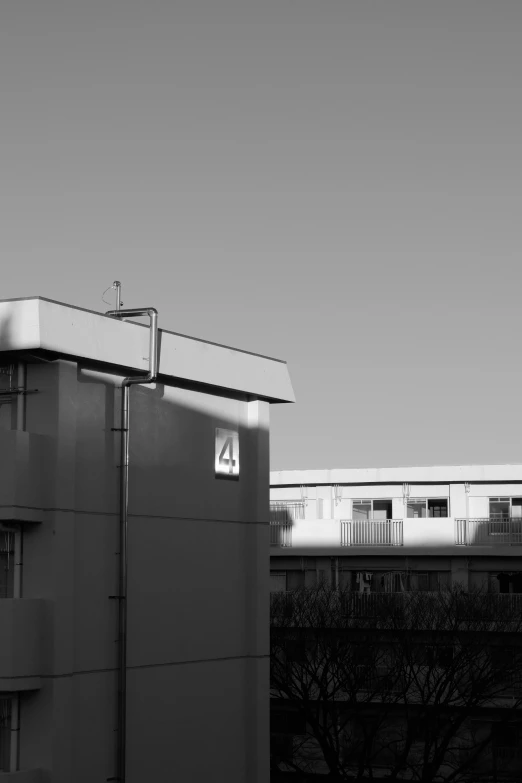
[37, 324]
[398, 475]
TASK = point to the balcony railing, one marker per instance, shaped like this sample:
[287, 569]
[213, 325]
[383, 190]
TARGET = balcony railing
[355, 604]
[286, 511]
[488, 532]
[280, 533]
[371, 532]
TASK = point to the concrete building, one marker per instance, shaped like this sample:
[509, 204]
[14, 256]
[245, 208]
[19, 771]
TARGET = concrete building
[430, 525]
[378, 537]
[196, 652]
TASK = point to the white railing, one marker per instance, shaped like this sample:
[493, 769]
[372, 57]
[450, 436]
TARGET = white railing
[280, 533]
[488, 532]
[286, 511]
[371, 532]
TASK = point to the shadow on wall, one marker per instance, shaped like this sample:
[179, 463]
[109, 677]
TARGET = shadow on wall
[198, 545]
[5, 331]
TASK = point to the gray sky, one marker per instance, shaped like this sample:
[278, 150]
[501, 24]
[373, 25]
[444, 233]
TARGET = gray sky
[332, 183]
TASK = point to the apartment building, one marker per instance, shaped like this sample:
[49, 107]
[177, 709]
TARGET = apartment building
[395, 529]
[381, 537]
[133, 550]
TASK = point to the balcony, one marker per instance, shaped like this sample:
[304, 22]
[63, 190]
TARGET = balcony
[488, 532]
[21, 653]
[280, 534]
[371, 532]
[282, 516]
[443, 534]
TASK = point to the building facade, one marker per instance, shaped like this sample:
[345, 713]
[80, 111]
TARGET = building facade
[398, 545]
[196, 634]
[373, 529]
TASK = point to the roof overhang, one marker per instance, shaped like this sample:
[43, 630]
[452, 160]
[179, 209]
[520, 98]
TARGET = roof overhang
[38, 324]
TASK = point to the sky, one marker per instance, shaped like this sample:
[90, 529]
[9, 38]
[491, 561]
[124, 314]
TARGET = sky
[335, 184]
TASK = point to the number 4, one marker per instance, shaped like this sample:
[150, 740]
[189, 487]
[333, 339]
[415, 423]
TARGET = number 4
[230, 461]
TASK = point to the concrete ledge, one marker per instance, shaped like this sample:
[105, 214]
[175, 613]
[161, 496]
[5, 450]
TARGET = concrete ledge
[24, 776]
[39, 323]
[19, 684]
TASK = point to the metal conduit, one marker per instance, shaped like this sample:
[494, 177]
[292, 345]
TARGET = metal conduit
[124, 510]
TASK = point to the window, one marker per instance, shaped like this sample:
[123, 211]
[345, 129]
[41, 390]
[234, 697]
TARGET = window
[287, 722]
[438, 656]
[504, 508]
[277, 581]
[5, 734]
[506, 582]
[419, 508]
[371, 509]
[295, 580]
[506, 662]
[295, 651]
[6, 564]
[395, 581]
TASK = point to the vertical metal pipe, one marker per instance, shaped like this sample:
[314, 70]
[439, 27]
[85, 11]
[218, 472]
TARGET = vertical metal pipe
[122, 624]
[117, 286]
[15, 733]
[17, 563]
[124, 513]
[21, 382]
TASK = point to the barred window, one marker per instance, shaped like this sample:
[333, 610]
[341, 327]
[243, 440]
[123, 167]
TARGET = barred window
[6, 564]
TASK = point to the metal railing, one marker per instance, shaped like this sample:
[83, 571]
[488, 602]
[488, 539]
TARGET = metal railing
[286, 511]
[371, 532]
[280, 533]
[371, 604]
[374, 604]
[506, 753]
[488, 532]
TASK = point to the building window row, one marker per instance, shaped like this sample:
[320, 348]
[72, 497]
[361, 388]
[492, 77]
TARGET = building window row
[500, 508]
[393, 581]
[505, 508]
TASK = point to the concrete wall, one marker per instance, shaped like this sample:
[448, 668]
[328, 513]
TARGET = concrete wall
[198, 583]
[24, 458]
[22, 643]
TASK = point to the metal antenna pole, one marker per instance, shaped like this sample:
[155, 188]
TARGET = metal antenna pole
[117, 286]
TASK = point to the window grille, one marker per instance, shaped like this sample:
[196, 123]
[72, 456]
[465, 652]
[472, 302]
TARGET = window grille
[6, 564]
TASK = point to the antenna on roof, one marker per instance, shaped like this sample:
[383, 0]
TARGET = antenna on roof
[117, 286]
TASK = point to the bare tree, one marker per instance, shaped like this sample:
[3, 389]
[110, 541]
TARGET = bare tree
[424, 689]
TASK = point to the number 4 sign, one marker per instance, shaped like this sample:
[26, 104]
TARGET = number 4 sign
[227, 453]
